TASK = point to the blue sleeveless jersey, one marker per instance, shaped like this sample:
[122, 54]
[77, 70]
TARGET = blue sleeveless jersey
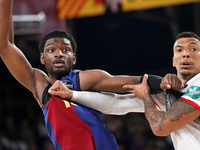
[72, 126]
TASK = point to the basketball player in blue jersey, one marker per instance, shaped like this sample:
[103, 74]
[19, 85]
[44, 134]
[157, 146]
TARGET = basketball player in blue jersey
[69, 125]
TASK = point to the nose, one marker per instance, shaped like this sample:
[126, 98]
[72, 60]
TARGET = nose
[58, 53]
[186, 54]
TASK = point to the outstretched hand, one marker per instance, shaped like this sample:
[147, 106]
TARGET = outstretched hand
[140, 89]
[171, 81]
[59, 89]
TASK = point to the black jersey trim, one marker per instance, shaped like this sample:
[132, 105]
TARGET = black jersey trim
[78, 81]
[45, 95]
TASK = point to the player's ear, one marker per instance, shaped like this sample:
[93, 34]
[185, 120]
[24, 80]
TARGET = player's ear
[173, 62]
[42, 58]
[74, 59]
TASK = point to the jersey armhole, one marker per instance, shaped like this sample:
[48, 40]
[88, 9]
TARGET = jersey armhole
[45, 95]
[78, 82]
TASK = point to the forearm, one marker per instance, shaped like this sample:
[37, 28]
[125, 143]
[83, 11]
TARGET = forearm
[110, 103]
[155, 117]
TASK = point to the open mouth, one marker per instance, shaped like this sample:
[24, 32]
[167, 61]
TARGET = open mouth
[186, 64]
[58, 63]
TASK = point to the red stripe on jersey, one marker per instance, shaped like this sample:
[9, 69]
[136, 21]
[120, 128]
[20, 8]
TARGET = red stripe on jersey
[157, 105]
[192, 103]
[70, 131]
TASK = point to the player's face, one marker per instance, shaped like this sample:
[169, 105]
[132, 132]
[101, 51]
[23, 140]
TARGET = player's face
[187, 57]
[58, 57]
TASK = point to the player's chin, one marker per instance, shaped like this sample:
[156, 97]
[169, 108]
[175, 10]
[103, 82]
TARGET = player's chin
[186, 73]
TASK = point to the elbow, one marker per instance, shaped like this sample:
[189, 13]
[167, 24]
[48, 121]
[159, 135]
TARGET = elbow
[160, 132]
[3, 46]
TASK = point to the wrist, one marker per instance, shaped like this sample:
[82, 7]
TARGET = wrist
[146, 96]
[74, 95]
[154, 83]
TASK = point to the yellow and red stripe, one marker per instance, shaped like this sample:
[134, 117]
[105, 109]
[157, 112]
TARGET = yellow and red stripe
[134, 5]
[68, 9]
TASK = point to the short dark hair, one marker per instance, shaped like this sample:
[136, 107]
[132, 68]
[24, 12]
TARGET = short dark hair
[60, 34]
[187, 35]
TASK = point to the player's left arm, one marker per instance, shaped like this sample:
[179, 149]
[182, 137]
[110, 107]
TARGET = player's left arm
[99, 80]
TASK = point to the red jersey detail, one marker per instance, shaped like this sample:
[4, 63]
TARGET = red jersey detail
[157, 105]
[192, 103]
[70, 131]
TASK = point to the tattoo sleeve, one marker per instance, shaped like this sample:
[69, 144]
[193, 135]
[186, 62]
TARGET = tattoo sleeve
[157, 119]
[153, 115]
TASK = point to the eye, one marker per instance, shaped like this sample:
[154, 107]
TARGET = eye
[178, 50]
[66, 49]
[51, 50]
[193, 49]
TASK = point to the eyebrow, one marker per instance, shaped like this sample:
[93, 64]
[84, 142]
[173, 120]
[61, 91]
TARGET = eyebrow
[189, 44]
[193, 43]
[178, 46]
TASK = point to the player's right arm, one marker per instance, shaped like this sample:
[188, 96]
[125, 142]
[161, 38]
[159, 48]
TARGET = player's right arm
[107, 103]
[13, 58]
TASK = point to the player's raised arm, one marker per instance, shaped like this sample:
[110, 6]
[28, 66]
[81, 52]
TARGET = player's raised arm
[10, 54]
[5, 21]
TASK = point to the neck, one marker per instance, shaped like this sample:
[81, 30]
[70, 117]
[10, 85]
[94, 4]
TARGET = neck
[185, 78]
[184, 81]
[58, 75]
[53, 78]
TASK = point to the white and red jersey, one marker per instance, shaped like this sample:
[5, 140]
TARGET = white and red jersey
[187, 137]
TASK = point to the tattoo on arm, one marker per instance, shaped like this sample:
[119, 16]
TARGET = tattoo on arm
[158, 118]
[178, 110]
[154, 116]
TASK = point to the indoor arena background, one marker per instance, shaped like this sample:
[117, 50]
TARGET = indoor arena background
[130, 41]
